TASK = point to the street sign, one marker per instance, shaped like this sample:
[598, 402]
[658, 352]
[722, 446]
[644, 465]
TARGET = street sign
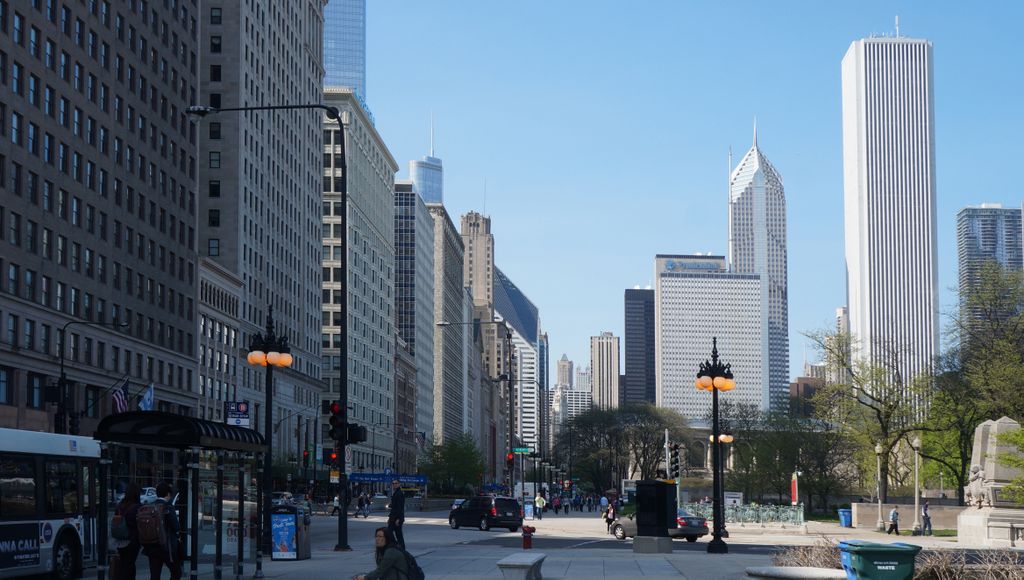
[520, 450]
[335, 476]
[236, 413]
[348, 455]
[387, 471]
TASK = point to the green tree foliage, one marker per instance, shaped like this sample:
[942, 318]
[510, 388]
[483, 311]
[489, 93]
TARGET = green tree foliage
[603, 446]
[454, 466]
[1015, 489]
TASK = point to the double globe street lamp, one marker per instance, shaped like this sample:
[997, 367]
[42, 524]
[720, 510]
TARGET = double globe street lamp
[268, 350]
[714, 376]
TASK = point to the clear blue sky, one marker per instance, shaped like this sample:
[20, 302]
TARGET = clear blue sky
[602, 130]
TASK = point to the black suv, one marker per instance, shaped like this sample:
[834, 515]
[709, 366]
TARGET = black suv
[487, 512]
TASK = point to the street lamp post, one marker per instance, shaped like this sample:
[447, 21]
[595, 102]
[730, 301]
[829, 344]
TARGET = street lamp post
[715, 376]
[724, 439]
[334, 114]
[65, 400]
[916, 444]
[878, 485]
[268, 350]
[508, 377]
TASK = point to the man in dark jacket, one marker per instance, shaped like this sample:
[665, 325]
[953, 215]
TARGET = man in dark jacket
[160, 556]
[396, 517]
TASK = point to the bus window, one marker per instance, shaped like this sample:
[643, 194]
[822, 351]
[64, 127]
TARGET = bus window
[87, 487]
[61, 487]
[17, 487]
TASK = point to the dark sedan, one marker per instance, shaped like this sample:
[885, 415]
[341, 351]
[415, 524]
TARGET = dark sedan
[687, 526]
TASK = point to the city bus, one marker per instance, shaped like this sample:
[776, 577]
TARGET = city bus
[48, 503]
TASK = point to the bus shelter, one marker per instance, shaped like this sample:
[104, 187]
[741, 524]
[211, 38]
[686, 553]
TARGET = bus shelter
[212, 466]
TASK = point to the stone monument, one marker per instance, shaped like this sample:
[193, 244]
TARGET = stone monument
[991, 519]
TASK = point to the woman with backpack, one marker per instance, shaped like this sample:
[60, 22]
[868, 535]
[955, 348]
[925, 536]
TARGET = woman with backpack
[392, 561]
[126, 533]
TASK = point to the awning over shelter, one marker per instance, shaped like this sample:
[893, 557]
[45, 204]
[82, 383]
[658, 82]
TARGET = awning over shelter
[161, 429]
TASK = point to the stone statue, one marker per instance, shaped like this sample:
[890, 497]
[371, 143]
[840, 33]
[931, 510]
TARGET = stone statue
[975, 492]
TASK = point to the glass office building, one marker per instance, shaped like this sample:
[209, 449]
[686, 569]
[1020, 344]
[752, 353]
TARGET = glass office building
[345, 45]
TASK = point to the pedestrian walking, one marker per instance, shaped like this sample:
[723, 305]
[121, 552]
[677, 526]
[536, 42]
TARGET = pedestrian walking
[391, 561]
[894, 521]
[604, 505]
[539, 502]
[125, 532]
[396, 517]
[926, 519]
[609, 516]
[337, 505]
[556, 502]
[590, 503]
[360, 505]
[158, 533]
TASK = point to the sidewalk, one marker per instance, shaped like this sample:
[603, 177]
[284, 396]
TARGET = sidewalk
[463, 562]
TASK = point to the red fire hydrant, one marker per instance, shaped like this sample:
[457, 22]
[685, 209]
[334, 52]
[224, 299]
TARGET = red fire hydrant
[528, 532]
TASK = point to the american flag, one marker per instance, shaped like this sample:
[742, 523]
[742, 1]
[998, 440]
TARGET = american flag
[120, 399]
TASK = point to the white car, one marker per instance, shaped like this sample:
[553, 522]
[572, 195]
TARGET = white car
[148, 495]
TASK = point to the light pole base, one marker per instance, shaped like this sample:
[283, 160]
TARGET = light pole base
[717, 546]
[880, 526]
[340, 548]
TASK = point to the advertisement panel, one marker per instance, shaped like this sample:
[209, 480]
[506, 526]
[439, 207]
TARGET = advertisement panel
[19, 545]
[283, 532]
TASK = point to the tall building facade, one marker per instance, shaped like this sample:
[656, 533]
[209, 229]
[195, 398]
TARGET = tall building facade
[414, 297]
[370, 246]
[697, 298]
[757, 245]
[889, 190]
[344, 46]
[987, 233]
[250, 166]
[523, 319]
[604, 366]
[407, 451]
[583, 381]
[220, 297]
[449, 354]
[564, 372]
[98, 208]
[639, 385]
[427, 174]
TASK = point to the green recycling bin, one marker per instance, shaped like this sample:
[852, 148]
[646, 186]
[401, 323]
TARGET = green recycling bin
[872, 561]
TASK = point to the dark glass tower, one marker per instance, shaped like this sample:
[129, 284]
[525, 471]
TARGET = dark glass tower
[639, 349]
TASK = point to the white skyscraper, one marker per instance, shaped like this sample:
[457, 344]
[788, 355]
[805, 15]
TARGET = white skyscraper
[695, 299]
[889, 183]
[757, 245]
[604, 366]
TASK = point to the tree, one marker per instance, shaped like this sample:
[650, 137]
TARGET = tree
[871, 399]
[453, 466]
[1015, 489]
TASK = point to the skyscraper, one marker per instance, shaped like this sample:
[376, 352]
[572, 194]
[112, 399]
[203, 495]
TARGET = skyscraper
[604, 365]
[564, 371]
[523, 318]
[639, 365]
[889, 184]
[757, 245]
[987, 233]
[449, 354]
[251, 167]
[428, 175]
[697, 298]
[414, 296]
[344, 47]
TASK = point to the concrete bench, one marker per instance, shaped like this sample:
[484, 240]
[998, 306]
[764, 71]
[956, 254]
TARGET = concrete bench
[795, 572]
[522, 566]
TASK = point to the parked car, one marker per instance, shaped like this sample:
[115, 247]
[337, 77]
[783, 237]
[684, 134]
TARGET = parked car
[687, 526]
[486, 512]
[148, 495]
[456, 503]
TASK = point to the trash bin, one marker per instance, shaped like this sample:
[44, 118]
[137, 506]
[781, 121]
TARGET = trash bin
[846, 518]
[289, 526]
[871, 561]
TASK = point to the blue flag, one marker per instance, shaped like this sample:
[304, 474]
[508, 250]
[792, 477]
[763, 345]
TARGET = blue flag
[146, 403]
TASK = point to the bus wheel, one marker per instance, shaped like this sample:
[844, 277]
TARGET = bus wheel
[65, 558]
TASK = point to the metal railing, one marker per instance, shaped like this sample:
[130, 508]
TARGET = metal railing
[752, 514]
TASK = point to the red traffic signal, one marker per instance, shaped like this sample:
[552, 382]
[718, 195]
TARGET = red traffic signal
[334, 456]
[510, 457]
[335, 407]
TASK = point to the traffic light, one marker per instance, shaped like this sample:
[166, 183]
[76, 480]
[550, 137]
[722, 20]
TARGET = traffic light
[357, 434]
[337, 422]
[510, 461]
[331, 458]
[673, 468]
[305, 458]
[75, 423]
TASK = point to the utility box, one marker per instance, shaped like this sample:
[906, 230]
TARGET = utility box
[655, 508]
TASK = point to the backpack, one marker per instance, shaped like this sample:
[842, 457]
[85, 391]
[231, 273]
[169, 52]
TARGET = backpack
[150, 523]
[414, 570]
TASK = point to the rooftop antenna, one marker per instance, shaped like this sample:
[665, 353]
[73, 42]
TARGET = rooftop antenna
[431, 133]
[897, 26]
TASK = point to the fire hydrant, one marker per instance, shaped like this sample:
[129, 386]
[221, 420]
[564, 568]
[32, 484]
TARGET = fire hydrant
[528, 532]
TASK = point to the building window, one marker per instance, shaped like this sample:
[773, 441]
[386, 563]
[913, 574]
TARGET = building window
[214, 159]
[34, 393]
[215, 44]
[215, 72]
[214, 218]
[215, 15]
[214, 130]
[6, 382]
[214, 247]
[214, 189]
